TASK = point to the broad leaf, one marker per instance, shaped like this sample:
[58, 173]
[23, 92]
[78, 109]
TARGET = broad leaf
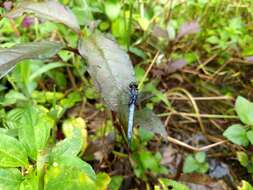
[243, 158]
[10, 178]
[34, 131]
[30, 182]
[116, 182]
[200, 157]
[112, 9]
[46, 68]
[250, 136]
[171, 183]
[193, 165]
[12, 152]
[59, 178]
[109, 67]
[188, 28]
[237, 134]
[72, 145]
[12, 97]
[70, 125]
[70, 172]
[190, 164]
[244, 109]
[74, 161]
[50, 10]
[103, 180]
[245, 186]
[175, 65]
[9, 57]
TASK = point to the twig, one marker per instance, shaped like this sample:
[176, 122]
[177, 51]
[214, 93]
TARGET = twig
[148, 70]
[213, 116]
[203, 98]
[196, 149]
[195, 107]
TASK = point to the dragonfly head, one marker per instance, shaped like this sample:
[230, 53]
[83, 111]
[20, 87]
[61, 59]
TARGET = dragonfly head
[133, 85]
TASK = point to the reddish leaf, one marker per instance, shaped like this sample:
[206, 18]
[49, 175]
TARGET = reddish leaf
[8, 5]
[175, 65]
[188, 28]
[50, 10]
[9, 57]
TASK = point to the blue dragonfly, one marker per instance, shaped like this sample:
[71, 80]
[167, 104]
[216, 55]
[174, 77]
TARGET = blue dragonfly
[133, 96]
[127, 105]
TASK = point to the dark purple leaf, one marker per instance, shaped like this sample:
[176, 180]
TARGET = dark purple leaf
[8, 5]
[159, 32]
[50, 10]
[9, 57]
[109, 66]
[175, 65]
[188, 28]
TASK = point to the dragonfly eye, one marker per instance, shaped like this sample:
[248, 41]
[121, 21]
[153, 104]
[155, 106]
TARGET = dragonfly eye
[133, 85]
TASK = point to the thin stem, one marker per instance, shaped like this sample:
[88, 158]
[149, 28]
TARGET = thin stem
[148, 70]
[212, 116]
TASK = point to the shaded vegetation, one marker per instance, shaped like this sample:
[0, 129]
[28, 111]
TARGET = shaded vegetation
[65, 67]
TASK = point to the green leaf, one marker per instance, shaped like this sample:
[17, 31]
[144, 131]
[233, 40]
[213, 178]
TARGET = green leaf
[149, 161]
[70, 146]
[71, 99]
[112, 8]
[59, 178]
[46, 96]
[116, 182]
[245, 186]
[103, 179]
[200, 157]
[237, 134]
[195, 163]
[110, 68]
[213, 40]
[243, 158]
[64, 176]
[10, 178]
[190, 164]
[46, 68]
[34, 131]
[50, 10]
[12, 118]
[203, 168]
[119, 28]
[72, 124]
[30, 182]
[12, 97]
[9, 57]
[244, 109]
[12, 152]
[250, 136]
[73, 161]
[171, 183]
[145, 135]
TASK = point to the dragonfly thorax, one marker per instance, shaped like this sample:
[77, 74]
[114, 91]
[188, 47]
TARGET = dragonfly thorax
[133, 93]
